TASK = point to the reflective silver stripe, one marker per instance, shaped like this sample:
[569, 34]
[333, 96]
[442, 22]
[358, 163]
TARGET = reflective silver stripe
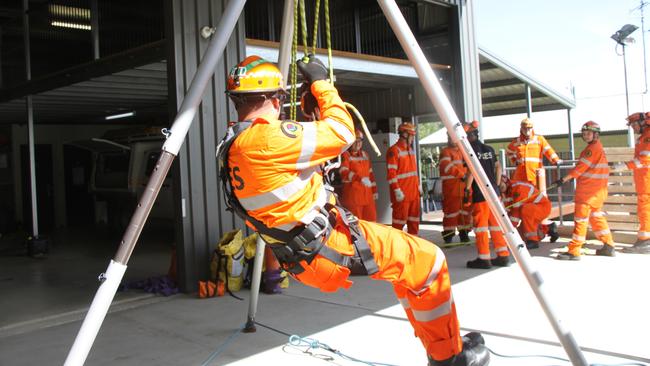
[637, 162]
[340, 129]
[391, 166]
[279, 194]
[592, 165]
[373, 184]
[482, 229]
[453, 163]
[351, 175]
[406, 175]
[581, 219]
[463, 212]
[515, 219]
[644, 152]
[344, 168]
[447, 177]
[537, 160]
[643, 234]
[401, 222]
[445, 158]
[602, 232]
[494, 228]
[309, 141]
[598, 214]
[435, 313]
[485, 256]
[539, 198]
[358, 158]
[406, 153]
[433, 274]
[501, 249]
[453, 214]
[530, 235]
[595, 176]
[405, 303]
[392, 181]
[413, 218]
[546, 148]
[578, 237]
[507, 199]
[554, 156]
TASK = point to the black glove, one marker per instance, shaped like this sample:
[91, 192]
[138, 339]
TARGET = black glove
[313, 70]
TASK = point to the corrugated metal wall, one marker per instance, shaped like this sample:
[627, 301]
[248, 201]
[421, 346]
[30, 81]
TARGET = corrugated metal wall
[203, 217]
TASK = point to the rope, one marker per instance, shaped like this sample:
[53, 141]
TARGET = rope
[328, 43]
[294, 67]
[364, 126]
[315, 32]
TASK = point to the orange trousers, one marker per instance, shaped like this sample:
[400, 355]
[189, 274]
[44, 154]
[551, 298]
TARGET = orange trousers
[455, 214]
[584, 215]
[532, 215]
[364, 212]
[418, 271]
[407, 213]
[643, 211]
[485, 222]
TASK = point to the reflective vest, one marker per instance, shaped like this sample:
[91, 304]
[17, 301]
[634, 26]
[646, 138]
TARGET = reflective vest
[402, 171]
[355, 167]
[640, 165]
[592, 175]
[528, 155]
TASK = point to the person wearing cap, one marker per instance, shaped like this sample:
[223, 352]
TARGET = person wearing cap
[527, 153]
[271, 176]
[452, 173]
[359, 191]
[482, 218]
[404, 181]
[592, 176]
[640, 166]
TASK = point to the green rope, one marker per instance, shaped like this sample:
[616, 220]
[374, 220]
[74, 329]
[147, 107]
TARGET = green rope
[329, 41]
[303, 23]
[294, 67]
[315, 33]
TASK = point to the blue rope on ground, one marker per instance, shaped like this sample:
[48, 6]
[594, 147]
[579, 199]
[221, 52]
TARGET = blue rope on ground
[222, 347]
[311, 343]
[564, 359]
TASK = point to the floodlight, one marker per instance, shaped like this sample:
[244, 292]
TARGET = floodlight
[623, 33]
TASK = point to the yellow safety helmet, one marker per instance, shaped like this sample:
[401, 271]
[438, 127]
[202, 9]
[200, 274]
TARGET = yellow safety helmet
[526, 122]
[254, 75]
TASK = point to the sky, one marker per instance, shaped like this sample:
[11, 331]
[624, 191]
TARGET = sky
[564, 43]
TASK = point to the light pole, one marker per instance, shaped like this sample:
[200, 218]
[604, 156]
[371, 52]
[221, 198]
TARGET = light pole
[621, 37]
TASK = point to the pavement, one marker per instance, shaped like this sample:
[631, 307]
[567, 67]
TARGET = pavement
[604, 302]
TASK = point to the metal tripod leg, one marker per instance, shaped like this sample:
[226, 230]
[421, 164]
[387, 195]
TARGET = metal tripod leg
[255, 286]
[442, 105]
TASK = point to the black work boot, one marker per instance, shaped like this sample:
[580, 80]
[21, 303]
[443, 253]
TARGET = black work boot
[640, 247]
[532, 244]
[552, 232]
[464, 236]
[448, 236]
[474, 353]
[503, 261]
[567, 257]
[606, 251]
[479, 263]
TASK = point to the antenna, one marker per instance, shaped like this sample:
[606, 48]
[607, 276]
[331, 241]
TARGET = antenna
[641, 6]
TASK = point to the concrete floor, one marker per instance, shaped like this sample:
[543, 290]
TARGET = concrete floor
[603, 301]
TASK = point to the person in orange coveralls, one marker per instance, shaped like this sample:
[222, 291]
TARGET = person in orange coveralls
[482, 218]
[527, 208]
[592, 175]
[271, 175]
[640, 166]
[359, 191]
[452, 173]
[528, 151]
[404, 181]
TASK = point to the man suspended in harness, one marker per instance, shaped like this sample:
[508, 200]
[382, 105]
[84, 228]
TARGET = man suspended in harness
[271, 175]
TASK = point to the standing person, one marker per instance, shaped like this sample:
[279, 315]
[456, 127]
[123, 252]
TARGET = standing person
[271, 176]
[482, 218]
[527, 152]
[452, 173]
[640, 166]
[359, 191]
[592, 174]
[404, 181]
[527, 208]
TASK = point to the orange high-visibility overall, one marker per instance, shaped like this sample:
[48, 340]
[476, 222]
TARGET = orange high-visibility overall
[591, 174]
[355, 196]
[276, 177]
[529, 207]
[640, 166]
[528, 155]
[403, 174]
[452, 172]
